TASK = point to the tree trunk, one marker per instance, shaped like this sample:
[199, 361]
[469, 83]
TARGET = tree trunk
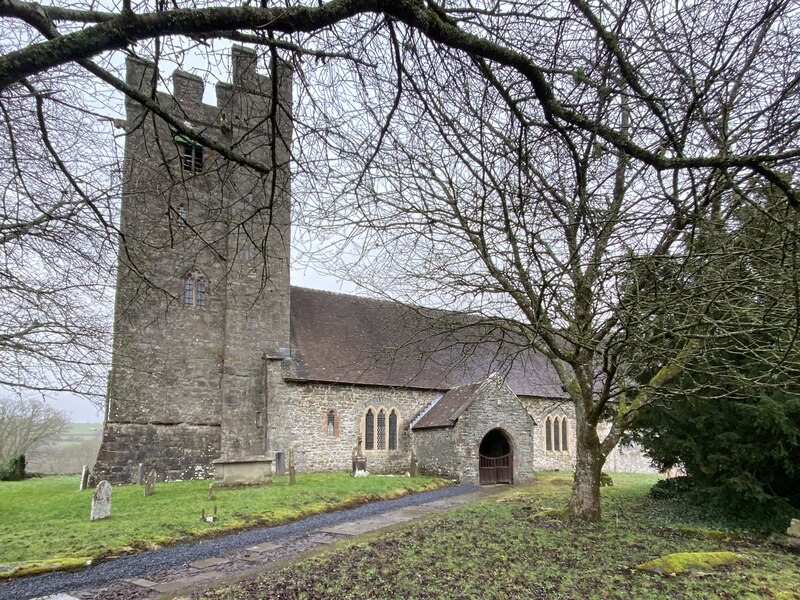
[584, 504]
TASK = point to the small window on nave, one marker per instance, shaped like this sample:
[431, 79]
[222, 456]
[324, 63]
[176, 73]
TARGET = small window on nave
[331, 424]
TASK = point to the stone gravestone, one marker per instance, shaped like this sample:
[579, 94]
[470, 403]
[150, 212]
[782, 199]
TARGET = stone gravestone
[413, 470]
[84, 478]
[101, 501]
[359, 460]
[280, 463]
[794, 528]
[292, 479]
[150, 483]
[140, 474]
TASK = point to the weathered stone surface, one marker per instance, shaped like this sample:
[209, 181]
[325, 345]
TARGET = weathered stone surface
[244, 470]
[454, 451]
[150, 483]
[787, 542]
[794, 528]
[101, 501]
[214, 561]
[191, 377]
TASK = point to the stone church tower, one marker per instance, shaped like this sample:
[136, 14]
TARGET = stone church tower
[203, 277]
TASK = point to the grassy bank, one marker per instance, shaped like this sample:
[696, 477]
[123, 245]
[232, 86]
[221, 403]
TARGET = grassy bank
[503, 549]
[48, 518]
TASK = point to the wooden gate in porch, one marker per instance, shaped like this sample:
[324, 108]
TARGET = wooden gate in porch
[496, 469]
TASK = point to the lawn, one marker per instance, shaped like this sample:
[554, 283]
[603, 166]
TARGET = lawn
[502, 549]
[48, 518]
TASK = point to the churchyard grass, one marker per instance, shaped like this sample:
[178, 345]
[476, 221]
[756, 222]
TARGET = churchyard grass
[47, 518]
[500, 548]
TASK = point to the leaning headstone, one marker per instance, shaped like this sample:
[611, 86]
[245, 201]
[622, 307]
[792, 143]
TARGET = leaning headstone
[84, 478]
[150, 483]
[292, 476]
[101, 501]
[210, 495]
[140, 474]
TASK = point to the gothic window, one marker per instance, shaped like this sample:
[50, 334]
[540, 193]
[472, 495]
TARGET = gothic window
[369, 430]
[181, 214]
[381, 436]
[556, 434]
[194, 290]
[393, 430]
[331, 423]
[188, 290]
[548, 435]
[381, 429]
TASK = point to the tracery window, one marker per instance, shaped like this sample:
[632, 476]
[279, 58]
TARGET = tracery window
[194, 290]
[369, 430]
[381, 437]
[556, 434]
[381, 429]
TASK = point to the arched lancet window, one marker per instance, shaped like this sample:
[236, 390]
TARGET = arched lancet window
[181, 214]
[200, 293]
[188, 290]
[369, 430]
[194, 290]
[331, 423]
[381, 435]
[548, 444]
[393, 430]
[556, 435]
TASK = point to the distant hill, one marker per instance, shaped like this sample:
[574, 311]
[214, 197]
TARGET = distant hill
[76, 447]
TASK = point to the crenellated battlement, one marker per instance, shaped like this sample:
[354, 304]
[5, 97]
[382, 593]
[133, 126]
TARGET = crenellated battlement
[245, 97]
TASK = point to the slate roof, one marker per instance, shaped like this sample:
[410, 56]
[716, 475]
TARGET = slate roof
[449, 407]
[339, 338]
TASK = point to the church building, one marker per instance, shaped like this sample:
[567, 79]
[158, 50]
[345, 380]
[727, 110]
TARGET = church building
[219, 364]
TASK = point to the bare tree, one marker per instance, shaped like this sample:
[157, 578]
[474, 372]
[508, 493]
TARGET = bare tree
[542, 163]
[25, 424]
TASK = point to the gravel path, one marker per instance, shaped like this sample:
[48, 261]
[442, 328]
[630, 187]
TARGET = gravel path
[140, 565]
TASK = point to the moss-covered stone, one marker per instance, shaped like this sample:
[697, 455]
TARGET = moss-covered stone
[605, 479]
[42, 566]
[682, 562]
[556, 514]
[711, 534]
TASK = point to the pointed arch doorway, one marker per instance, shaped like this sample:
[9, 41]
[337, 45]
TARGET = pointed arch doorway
[496, 458]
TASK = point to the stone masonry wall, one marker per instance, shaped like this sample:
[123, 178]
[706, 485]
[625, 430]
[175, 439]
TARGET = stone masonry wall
[176, 452]
[436, 452]
[495, 408]
[454, 451]
[297, 417]
[178, 366]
